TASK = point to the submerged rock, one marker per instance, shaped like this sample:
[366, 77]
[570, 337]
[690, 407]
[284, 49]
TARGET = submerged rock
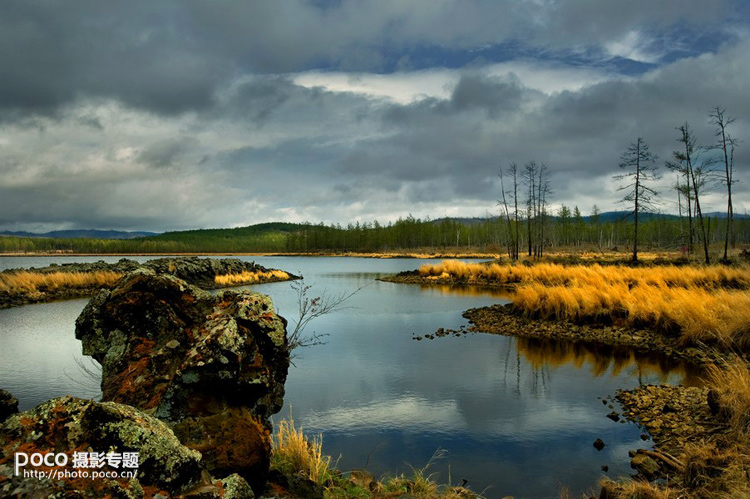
[211, 366]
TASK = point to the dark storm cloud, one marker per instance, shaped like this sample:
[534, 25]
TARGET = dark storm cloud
[164, 153]
[170, 57]
[143, 54]
[579, 134]
[473, 92]
[145, 115]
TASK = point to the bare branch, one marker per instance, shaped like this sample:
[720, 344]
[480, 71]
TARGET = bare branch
[310, 308]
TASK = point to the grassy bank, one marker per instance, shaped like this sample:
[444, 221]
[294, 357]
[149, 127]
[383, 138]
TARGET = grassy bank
[296, 455]
[250, 278]
[22, 287]
[32, 283]
[701, 434]
[703, 305]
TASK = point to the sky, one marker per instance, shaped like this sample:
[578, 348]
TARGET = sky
[168, 115]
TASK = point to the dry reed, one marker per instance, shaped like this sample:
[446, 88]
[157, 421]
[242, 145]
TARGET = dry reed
[34, 282]
[708, 304]
[250, 278]
[732, 384]
[294, 452]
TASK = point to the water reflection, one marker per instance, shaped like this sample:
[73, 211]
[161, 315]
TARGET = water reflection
[544, 354]
[463, 290]
[516, 415]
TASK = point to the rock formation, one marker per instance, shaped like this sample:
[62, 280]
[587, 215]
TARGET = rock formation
[68, 425]
[197, 271]
[212, 366]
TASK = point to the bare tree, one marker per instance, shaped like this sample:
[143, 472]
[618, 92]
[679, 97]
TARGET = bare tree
[726, 145]
[535, 179]
[530, 171]
[504, 201]
[684, 162]
[513, 228]
[310, 308]
[681, 163]
[541, 211]
[514, 172]
[640, 166]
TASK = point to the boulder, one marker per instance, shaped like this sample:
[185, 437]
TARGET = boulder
[66, 425]
[212, 366]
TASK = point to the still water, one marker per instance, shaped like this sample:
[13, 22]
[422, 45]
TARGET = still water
[515, 417]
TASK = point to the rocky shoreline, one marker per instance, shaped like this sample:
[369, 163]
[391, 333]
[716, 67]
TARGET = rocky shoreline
[694, 447]
[198, 271]
[189, 382]
[414, 277]
[506, 320]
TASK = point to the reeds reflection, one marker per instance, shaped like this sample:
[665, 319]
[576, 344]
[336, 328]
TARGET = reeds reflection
[543, 354]
[464, 290]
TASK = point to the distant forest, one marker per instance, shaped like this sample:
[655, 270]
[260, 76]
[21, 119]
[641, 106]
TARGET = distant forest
[565, 230]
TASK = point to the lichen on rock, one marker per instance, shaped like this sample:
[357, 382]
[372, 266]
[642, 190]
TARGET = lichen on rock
[203, 363]
[67, 424]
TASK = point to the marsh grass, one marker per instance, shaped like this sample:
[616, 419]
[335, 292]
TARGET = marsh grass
[708, 304]
[250, 278]
[732, 385]
[717, 466]
[30, 283]
[640, 489]
[293, 453]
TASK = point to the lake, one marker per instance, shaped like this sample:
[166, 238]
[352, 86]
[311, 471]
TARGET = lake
[515, 417]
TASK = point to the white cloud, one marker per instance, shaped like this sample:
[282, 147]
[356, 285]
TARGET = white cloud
[634, 46]
[406, 87]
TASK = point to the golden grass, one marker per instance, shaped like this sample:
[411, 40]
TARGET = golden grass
[732, 384]
[34, 282]
[293, 452]
[714, 276]
[708, 304]
[250, 278]
[639, 489]
[719, 466]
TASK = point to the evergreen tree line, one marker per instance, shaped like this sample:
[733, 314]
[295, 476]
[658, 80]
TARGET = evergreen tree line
[565, 229]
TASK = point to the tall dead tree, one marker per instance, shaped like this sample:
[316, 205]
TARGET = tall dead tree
[684, 162]
[504, 201]
[530, 171]
[681, 164]
[514, 173]
[513, 228]
[640, 166]
[725, 144]
[541, 212]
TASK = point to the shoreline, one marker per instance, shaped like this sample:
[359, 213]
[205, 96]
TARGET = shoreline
[411, 255]
[69, 281]
[504, 320]
[697, 447]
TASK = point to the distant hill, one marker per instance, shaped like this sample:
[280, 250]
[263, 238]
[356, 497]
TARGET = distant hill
[614, 216]
[82, 233]
[246, 232]
[264, 233]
